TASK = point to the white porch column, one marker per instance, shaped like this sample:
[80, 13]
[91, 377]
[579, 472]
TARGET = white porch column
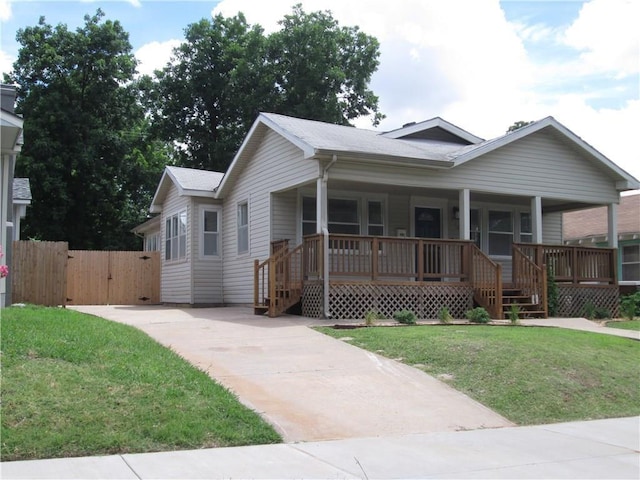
[322, 227]
[536, 220]
[465, 214]
[321, 205]
[612, 224]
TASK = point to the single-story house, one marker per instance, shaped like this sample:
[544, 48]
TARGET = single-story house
[339, 221]
[11, 127]
[589, 228]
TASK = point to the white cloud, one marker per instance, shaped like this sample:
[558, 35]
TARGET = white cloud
[462, 60]
[5, 10]
[155, 55]
[6, 63]
[608, 35]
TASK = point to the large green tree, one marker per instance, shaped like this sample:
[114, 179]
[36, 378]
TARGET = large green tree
[227, 71]
[86, 151]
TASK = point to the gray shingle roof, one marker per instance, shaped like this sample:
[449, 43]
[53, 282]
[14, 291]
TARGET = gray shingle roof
[328, 137]
[192, 179]
[21, 189]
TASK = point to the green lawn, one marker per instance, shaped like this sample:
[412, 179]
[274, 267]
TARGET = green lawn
[530, 375]
[75, 385]
[627, 325]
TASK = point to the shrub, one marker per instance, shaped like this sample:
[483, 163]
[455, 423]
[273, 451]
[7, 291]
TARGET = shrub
[595, 313]
[630, 305]
[405, 316]
[478, 315]
[514, 313]
[444, 316]
[553, 293]
[370, 318]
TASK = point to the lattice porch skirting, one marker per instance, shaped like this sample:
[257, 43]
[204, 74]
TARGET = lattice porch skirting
[573, 299]
[354, 300]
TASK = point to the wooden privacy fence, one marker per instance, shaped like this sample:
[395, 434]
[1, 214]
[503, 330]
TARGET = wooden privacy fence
[47, 273]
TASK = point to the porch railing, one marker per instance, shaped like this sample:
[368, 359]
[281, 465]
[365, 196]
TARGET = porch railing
[389, 258]
[575, 264]
[486, 280]
[529, 278]
[277, 281]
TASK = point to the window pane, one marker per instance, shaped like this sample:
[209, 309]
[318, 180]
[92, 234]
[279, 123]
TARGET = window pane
[183, 246]
[631, 253]
[500, 222]
[243, 214]
[376, 231]
[211, 244]
[631, 271]
[526, 237]
[308, 228]
[167, 250]
[243, 239]
[343, 211]
[210, 221]
[344, 228]
[174, 226]
[183, 223]
[174, 248]
[500, 244]
[525, 222]
[375, 213]
[309, 209]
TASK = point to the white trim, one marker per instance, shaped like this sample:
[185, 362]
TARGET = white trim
[201, 212]
[178, 259]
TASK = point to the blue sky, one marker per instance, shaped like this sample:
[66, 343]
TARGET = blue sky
[481, 64]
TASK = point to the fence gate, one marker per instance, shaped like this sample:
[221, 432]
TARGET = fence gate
[113, 278]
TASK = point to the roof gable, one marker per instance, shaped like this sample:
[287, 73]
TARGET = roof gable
[188, 181]
[21, 190]
[434, 129]
[625, 181]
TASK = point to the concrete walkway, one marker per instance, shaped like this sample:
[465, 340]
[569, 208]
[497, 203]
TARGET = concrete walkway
[581, 324]
[602, 449]
[309, 386]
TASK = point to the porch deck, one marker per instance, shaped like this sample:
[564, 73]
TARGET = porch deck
[387, 274]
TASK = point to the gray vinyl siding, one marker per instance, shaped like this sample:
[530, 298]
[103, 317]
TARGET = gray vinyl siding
[207, 271]
[552, 228]
[275, 166]
[175, 283]
[283, 216]
[539, 165]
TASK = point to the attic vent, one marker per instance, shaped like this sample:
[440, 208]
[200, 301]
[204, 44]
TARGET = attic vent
[408, 124]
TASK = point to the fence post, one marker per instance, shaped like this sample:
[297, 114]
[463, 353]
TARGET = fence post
[420, 260]
[256, 291]
[374, 259]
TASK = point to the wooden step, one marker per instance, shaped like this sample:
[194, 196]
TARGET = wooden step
[260, 309]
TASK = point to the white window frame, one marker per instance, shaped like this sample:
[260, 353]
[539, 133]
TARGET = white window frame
[241, 250]
[521, 233]
[217, 234]
[176, 235]
[152, 242]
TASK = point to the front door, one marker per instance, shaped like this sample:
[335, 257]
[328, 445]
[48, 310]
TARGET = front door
[428, 224]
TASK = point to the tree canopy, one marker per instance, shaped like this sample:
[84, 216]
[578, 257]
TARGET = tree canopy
[518, 125]
[86, 150]
[227, 71]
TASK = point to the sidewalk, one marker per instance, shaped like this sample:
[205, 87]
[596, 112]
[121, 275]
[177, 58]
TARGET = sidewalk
[581, 324]
[596, 449]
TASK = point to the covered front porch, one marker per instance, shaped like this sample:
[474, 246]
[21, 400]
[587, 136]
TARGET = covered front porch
[345, 276]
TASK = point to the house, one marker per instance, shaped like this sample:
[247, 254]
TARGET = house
[341, 221]
[589, 228]
[21, 200]
[11, 126]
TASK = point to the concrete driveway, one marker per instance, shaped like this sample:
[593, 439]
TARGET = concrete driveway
[309, 386]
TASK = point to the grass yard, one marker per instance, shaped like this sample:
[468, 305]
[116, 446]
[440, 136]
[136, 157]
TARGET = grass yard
[529, 375]
[626, 325]
[76, 385]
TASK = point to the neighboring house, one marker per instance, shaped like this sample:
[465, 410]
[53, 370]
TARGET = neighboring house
[11, 139]
[346, 220]
[589, 228]
[21, 200]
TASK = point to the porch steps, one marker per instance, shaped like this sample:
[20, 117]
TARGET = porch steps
[284, 300]
[512, 296]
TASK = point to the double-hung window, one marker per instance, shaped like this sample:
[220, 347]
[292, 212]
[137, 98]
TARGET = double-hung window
[176, 237]
[243, 227]
[375, 218]
[630, 262]
[344, 216]
[210, 233]
[500, 232]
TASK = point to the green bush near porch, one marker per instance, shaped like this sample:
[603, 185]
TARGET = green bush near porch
[77, 385]
[530, 375]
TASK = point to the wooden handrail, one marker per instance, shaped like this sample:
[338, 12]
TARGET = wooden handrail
[278, 281]
[529, 278]
[574, 264]
[486, 280]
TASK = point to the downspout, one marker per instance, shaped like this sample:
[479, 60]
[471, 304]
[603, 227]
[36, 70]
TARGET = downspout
[325, 240]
